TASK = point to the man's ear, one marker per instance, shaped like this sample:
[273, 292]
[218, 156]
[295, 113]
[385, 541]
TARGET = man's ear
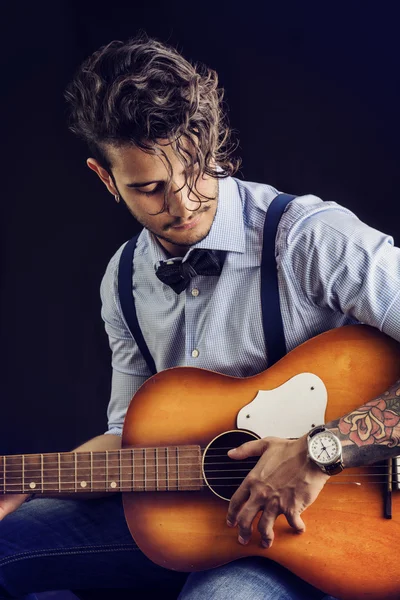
[102, 173]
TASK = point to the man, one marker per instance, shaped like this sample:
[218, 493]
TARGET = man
[157, 136]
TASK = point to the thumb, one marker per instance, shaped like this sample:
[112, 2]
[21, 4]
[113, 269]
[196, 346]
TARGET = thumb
[253, 448]
[10, 502]
[295, 521]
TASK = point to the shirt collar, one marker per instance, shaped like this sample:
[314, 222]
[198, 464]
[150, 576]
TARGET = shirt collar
[227, 231]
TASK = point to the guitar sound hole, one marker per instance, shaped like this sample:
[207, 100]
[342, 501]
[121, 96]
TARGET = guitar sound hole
[223, 474]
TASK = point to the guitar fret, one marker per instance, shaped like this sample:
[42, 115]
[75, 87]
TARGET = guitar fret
[4, 474]
[91, 470]
[84, 475]
[138, 459]
[41, 468]
[125, 484]
[107, 471]
[167, 467]
[162, 483]
[98, 471]
[151, 476]
[145, 469]
[76, 472]
[30, 472]
[59, 472]
[172, 472]
[177, 467]
[113, 471]
[48, 483]
[66, 472]
[156, 461]
[133, 469]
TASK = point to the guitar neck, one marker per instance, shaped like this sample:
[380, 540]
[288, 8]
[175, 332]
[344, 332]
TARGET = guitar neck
[171, 468]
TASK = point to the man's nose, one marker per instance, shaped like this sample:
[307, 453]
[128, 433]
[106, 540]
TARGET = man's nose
[181, 205]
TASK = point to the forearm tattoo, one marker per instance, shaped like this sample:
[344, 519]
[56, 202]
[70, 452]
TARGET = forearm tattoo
[372, 431]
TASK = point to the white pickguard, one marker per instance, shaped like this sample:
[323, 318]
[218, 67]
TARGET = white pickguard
[288, 411]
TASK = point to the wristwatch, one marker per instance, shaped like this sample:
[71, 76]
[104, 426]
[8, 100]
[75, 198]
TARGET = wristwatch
[325, 449]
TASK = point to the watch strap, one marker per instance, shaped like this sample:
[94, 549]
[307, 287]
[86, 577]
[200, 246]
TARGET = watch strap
[333, 469]
[315, 430]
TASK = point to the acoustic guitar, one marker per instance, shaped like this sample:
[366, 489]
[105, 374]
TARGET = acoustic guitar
[177, 431]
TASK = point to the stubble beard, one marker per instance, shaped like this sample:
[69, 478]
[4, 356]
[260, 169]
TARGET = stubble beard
[196, 240]
[163, 236]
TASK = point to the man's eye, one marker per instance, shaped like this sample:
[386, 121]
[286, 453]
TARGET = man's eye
[159, 186]
[155, 191]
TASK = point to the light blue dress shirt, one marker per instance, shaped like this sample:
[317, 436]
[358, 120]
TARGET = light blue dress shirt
[333, 270]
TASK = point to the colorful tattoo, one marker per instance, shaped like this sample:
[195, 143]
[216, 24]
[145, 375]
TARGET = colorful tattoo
[373, 423]
[376, 422]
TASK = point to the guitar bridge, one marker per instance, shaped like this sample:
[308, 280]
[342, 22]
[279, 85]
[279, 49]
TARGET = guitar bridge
[395, 473]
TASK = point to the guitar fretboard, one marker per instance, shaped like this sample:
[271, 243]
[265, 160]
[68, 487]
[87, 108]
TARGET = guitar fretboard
[172, 468]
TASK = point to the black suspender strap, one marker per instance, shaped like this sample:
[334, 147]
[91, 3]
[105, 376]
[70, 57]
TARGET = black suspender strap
[127, 301]
[270, 305]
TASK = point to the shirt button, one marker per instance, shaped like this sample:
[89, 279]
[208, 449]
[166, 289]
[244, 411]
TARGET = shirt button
[195, 292]
[195, 353]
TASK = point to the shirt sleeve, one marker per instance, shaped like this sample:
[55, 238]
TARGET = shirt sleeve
[129, 369]
[342, 263]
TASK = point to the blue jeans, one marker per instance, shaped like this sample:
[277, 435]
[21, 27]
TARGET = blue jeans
[53, 544]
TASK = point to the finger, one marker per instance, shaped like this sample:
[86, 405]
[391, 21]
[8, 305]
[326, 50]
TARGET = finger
[241, 496]
[245, 534]
[253, 448]
[294, 519]
[245, 519]
[266, 526]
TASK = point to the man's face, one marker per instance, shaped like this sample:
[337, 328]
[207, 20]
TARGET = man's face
[185, 221]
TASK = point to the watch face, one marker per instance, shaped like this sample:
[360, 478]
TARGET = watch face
[324, 448]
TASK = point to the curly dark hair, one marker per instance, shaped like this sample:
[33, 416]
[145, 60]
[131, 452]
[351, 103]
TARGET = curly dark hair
[141, 91]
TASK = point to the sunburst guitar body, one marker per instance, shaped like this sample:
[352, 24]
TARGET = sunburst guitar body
[183, 420]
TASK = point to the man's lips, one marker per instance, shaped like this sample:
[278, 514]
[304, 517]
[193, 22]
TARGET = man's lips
[188, 224]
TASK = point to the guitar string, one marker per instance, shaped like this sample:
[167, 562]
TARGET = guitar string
[129, 454]
[128, 459]
[159, 463]
[181, 447]
[17, 473]
[116, 461]
[342, 475]
[156, 485]
[180, 480]
[10, 472]
[102, 454]
[145, 485]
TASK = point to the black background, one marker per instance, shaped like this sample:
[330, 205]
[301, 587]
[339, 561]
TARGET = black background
[313, 91]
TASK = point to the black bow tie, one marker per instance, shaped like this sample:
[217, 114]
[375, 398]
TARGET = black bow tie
[178, 274]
